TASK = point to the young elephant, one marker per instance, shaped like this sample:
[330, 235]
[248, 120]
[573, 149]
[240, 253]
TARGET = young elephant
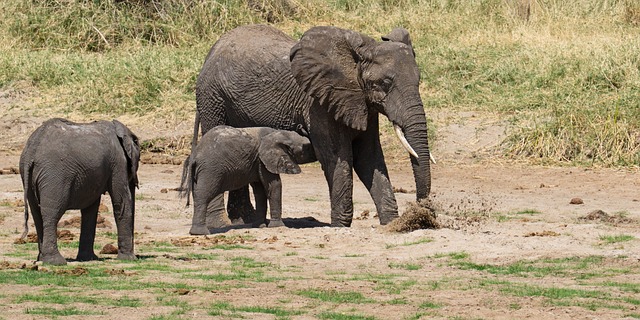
[67, 165]
[228, 158]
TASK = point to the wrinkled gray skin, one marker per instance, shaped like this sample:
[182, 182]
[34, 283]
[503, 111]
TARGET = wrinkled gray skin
[228, 158]
[67, 165]
[332, 83]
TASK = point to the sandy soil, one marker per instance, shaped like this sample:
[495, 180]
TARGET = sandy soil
[497, 212]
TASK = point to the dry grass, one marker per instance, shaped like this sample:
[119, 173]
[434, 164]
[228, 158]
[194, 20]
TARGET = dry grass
[566, 73]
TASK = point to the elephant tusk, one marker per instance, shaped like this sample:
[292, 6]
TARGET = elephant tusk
[404, 141]
[432, 158]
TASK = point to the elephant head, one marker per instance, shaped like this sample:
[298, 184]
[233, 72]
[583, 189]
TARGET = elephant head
[353, 76]
[281, 151]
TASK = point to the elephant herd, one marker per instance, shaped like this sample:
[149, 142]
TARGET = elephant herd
[265, 103]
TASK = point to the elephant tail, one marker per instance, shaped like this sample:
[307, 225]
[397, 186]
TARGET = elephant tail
[196, 127]
[186, 183]
[26, 184]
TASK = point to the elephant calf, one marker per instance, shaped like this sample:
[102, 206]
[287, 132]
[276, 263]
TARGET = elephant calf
[228, 158]
[67, 165]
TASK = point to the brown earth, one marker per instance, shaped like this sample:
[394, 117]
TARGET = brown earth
[498, 212]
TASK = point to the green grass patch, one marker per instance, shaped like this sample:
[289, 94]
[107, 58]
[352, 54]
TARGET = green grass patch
[409, 243]
[617, 238]
[343, 316]
[335, 296]
[430, 305]
[405, 266]
[64, 312]
[221, 308]
[227, 247]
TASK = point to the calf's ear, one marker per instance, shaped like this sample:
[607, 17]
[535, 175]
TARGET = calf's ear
[274, 152]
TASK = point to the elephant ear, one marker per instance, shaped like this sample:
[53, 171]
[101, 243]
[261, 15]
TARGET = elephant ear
[399, 35]
[274, 152]
[129, 143]
[325, 65]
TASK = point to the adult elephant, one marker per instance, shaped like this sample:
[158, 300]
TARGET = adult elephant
[332, 83]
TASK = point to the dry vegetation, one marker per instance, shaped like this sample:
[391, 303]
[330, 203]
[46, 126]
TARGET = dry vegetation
[564, 75]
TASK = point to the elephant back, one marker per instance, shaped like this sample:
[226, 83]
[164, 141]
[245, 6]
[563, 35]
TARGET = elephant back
[247, 77]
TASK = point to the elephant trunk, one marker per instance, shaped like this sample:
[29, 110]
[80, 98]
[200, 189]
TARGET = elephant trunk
[411, 126]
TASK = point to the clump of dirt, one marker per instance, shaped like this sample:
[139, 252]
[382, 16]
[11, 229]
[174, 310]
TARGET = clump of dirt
[364, 215]
[109, 249]
[10, 170]
[576, 201]
[119, 272]
[418, 215]
[402, 190]
[208, 241]
[77, 271]
[601, 216]
[102, 222]
[545, 233]
[5, 265]
[65, 235]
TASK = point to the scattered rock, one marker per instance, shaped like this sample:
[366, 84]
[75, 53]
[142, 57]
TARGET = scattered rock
[102, 208]
[167, 171]
[576, 201]
[399, 190]
[109, 249]
[164, 190]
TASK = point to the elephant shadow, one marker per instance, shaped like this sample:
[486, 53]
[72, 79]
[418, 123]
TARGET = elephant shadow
[293, 223]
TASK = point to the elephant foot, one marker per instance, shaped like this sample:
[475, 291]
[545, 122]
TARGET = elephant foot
[237, 222]
[387, 218]
[54, 259]
[86, 256]
[199, 231]
[275, 223]
[259, 224]
[126, 256]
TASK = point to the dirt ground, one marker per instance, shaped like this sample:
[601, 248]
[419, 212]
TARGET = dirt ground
[497, 212]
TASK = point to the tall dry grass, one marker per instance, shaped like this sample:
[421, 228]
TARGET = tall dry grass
[565, 73]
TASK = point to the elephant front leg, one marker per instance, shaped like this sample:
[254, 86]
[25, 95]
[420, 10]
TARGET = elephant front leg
[123, 214]
[340, 179]
[88, 232]
[370, 167]
[273, 188]
[260, 196]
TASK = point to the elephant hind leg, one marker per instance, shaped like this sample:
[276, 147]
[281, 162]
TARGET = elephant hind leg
[48, 235]
[88, 232]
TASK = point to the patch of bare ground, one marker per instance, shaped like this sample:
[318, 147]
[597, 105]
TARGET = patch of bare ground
[508, 244]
